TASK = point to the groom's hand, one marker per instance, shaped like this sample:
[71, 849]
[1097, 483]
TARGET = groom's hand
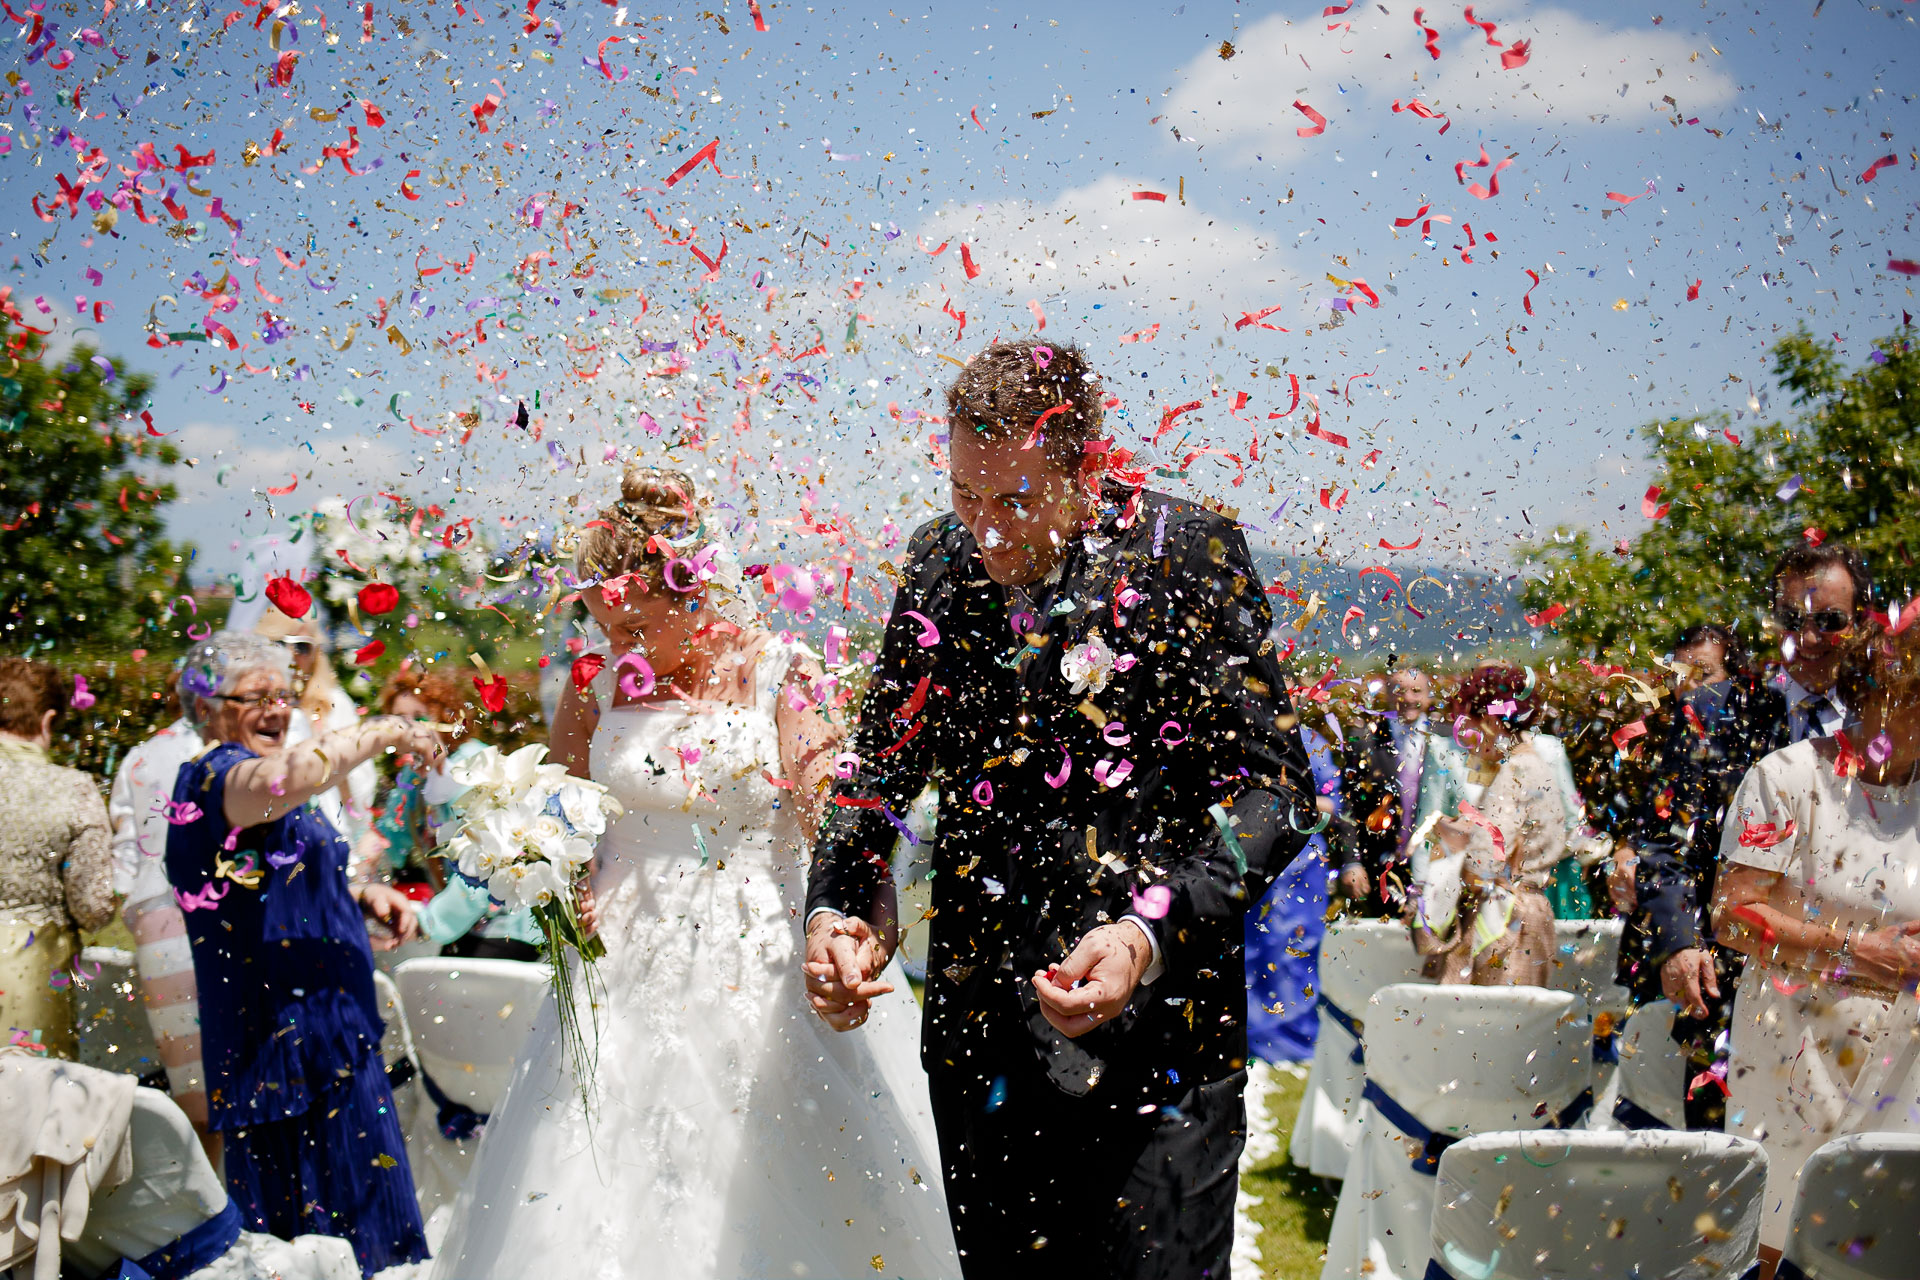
[1108, 964]
[843, 954]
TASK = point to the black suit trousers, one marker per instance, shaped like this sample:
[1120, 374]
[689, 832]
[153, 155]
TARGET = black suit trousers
[1041, 1184]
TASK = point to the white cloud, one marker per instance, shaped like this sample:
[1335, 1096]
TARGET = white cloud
[1098, 239]
[1579, 71]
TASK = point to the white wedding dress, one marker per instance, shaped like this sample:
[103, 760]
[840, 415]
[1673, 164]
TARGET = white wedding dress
[734, 1134]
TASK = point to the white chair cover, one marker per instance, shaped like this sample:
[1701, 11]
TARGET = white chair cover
[1452, 1061]
[1654, 1205]
[63, 1141]
[1357, 958]
[1856, 1215]
[466, 1020]
[173, 1190]
[1650, 1089]
[110, 1013]
[1586, 962]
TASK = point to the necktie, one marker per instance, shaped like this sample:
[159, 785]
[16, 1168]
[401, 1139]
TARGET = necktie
[1815, 707]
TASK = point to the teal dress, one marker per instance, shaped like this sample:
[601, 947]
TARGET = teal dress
[290, 1027]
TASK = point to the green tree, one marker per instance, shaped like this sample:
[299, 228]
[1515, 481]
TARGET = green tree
[83, 564]
[1847, 468]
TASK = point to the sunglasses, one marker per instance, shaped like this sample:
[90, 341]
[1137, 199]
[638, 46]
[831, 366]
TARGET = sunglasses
[1827, 621]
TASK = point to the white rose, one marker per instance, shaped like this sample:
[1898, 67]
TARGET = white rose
[1088, 665]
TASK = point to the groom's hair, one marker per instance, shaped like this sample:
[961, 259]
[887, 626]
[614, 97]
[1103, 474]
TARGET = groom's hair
[1005, 389]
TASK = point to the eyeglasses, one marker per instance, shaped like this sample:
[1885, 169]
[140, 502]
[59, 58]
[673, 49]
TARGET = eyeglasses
[252, 701]
[299, 644]
[1827, 621]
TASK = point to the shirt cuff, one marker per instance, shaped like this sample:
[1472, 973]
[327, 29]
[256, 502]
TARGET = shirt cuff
[1158, 966]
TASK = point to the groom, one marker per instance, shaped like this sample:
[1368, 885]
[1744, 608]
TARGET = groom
[1083, 670]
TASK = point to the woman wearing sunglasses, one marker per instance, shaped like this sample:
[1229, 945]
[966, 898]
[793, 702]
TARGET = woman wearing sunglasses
[290, 1027]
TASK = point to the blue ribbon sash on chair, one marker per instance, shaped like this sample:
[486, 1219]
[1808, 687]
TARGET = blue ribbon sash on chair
[200, 1247]
[1433, 1144]
[1345, 1022]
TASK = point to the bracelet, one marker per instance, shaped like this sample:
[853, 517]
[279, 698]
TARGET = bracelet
[1844, 956]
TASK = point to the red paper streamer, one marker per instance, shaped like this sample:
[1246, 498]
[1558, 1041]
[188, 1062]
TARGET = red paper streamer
[1319, 432]
[1484, 26]
[706, 153]
[1332, 503]
[975, 113]
[1693, 292]
[1433, 37]
[1255, 317]
[1905, 266]
[1413, 217]
[1516, 55]
[1144, 335]
[1526, 299]
[1650, 505]
[1425, 112]
[1493, 182]
[1764, 835]
[1546, 616]
[759, 22]
[1033, 436]
[1388, 546]
[1319, 125]
[1294, 380]
[932, 253]
[1161, 196]
[1627, 733]
[966, 261]
[1874, 168]
[1169, 414]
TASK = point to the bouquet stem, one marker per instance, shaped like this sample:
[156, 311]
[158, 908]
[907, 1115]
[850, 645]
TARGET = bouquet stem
[560, 923]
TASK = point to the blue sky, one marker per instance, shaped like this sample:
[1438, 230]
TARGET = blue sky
[852, 140]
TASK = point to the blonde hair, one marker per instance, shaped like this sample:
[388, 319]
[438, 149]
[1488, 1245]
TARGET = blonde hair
[657, 518]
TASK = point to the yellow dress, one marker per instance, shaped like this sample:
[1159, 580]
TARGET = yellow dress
[56, 876]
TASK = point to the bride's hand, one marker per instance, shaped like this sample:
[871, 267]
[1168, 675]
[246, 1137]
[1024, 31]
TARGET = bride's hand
[587, 904]
[843, 954]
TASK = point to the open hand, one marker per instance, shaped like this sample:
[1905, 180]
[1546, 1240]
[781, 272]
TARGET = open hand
[1889, 956]
[843, 954]
[1094, 983]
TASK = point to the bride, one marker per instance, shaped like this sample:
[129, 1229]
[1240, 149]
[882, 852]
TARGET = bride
[732, 1133]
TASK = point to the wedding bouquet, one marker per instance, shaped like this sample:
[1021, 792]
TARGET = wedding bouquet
[526, 829]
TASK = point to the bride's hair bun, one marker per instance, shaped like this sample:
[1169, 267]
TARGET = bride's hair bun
[658, 517]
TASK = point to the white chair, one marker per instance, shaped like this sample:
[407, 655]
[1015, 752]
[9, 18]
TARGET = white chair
[1656, 1205]
[1650, 1089]
[173, 1197]
[1444, 1062]
[1586, 962]
[1357, 958]
[110, 1013]
[1856, 1215]
[466, 1020]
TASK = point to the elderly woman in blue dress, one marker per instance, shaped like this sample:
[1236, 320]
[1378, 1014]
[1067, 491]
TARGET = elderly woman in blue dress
[290, 1029]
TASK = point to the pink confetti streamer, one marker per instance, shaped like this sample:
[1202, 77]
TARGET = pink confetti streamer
[1319, 125]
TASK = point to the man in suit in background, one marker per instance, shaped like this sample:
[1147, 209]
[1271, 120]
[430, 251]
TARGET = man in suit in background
[1720, 729]
[1084, 669]
[1389, 758]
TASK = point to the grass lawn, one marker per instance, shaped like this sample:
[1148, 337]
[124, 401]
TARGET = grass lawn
[1294, 1211]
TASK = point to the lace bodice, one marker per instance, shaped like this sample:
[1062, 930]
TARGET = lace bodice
[715, 766]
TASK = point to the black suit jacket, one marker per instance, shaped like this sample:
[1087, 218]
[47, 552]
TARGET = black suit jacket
[1698, 766]
[1025, 864]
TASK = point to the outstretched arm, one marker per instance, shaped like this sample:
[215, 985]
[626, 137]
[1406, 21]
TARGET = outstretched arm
[267, 787]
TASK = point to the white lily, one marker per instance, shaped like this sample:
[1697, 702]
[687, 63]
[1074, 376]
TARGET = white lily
[1088, 665]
